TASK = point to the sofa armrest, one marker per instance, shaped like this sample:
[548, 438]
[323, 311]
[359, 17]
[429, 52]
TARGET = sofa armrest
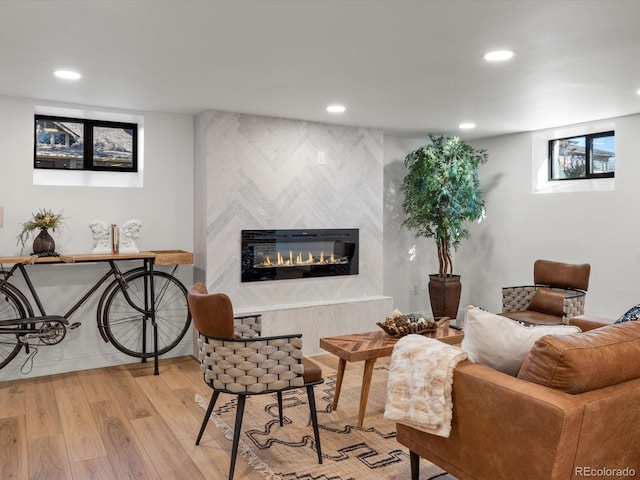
[589, 322]
[524, 430]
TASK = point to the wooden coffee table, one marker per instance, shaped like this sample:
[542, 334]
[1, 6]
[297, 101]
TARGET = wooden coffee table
[368, 347]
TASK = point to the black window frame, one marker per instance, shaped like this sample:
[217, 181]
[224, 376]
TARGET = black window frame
[589, 138]
[88, 160]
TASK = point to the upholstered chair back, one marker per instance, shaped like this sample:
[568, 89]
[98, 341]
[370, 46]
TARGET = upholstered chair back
[561, 275]
[212, 313]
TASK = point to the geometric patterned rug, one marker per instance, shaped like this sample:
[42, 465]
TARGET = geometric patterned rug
[349, 452]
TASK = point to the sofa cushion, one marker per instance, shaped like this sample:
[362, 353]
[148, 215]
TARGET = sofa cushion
[548, 300]
[630, 315]
[501, 343]
[585, 361]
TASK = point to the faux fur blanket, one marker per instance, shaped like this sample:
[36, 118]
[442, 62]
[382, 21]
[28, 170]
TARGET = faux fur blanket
[421, 382]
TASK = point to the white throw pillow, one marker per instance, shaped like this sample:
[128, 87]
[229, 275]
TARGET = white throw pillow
[501, 343]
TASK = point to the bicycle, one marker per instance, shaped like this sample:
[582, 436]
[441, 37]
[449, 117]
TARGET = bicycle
[134, 301]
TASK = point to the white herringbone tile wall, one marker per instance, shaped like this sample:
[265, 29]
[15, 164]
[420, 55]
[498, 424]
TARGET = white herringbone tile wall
[263, 172]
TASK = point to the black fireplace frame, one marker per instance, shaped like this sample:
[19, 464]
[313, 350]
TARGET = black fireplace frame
[254, 243]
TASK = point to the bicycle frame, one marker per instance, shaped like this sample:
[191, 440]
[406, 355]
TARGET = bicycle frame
[114, 271]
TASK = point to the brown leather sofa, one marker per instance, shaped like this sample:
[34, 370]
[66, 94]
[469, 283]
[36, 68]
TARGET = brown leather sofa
[512, 428]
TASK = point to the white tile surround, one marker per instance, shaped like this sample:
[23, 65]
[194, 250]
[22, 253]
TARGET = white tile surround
[323, 319]
[255, 172]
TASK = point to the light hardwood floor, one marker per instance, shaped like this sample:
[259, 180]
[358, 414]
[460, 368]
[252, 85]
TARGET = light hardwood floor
[114, 423]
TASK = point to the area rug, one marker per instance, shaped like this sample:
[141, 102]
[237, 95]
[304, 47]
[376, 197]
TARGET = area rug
[349, 452]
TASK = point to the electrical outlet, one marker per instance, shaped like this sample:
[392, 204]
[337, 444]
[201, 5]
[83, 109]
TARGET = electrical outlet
[322, 158]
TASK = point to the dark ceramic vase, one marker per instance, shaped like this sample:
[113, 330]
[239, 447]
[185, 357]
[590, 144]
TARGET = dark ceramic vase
[44, 243]
[444, 294]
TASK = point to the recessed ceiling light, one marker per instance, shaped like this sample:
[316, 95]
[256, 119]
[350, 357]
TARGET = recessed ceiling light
[336, 108]
[498, 55]
[638, 91]
[67, 74]
[467, 125]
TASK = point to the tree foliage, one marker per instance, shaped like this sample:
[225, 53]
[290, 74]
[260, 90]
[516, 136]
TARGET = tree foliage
[442, 193]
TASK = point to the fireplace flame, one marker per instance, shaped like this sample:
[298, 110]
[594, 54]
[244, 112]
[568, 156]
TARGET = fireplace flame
[299, 259]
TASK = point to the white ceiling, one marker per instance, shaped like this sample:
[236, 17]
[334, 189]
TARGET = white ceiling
[408, 67]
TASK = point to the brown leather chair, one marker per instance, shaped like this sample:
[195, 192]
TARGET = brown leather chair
[558, 294]
[235, 359]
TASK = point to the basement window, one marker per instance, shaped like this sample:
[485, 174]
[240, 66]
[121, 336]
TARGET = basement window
[64, 143]
[582, 157]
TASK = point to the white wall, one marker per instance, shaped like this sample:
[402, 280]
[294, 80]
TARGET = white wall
[164, 205]
[595, 227]
[599, 228]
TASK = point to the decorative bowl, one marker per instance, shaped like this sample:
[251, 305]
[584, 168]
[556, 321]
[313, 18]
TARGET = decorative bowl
[398, 325]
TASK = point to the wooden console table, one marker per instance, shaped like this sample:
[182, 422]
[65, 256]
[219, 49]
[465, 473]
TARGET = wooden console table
[368, 347]
[159, 257]
[133, 291]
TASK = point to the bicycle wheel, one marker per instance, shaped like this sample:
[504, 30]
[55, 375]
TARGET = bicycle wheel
[105, 294]
[130, 330]
[10, 309]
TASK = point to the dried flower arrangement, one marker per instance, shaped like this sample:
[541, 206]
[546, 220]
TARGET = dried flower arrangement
[43, 220]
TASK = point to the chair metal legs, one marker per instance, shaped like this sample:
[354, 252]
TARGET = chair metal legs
[238, 423]
[212, 402]
[280, 416]
[314, 420]
[236, 433]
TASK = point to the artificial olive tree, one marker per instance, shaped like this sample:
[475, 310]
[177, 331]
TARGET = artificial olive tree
[442, 193]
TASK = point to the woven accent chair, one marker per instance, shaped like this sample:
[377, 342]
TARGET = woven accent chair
[235, 359]
[558, 294]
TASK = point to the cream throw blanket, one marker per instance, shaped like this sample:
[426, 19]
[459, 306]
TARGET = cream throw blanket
[420, 384]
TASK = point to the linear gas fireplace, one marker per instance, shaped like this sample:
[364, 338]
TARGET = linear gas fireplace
[286, 254]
